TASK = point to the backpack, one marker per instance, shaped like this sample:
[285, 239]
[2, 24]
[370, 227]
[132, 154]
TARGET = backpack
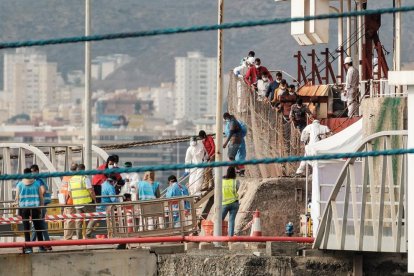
[243, 128]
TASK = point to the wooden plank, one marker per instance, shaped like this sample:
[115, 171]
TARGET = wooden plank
[355, 215]
[365, 181]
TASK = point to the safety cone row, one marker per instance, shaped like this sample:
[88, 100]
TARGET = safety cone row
[256, 228]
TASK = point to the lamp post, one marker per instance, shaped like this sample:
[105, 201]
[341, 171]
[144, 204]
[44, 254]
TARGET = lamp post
[88, 108]
[219, 127]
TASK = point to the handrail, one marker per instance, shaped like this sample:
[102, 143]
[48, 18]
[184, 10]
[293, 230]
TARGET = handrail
[343, 175]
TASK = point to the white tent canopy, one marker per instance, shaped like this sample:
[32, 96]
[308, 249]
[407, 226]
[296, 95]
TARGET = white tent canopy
[325, 173]
[345, 141]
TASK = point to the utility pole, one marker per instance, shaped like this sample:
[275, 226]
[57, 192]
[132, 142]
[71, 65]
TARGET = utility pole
[88, 108]
[219, 126]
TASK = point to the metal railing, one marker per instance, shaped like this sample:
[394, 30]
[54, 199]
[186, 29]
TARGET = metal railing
[366, 210]
[172, 216]
[381, 88]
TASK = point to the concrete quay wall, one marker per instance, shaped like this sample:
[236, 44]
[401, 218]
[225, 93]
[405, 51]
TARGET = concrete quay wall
[237, 261]
[85, 263]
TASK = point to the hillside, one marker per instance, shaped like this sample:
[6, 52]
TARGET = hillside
[154, 57]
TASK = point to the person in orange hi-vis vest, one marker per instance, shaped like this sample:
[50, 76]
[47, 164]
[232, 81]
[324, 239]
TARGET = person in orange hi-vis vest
[69, 225]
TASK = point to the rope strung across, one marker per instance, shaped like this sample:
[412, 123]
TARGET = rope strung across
[202, 28]
[216, 164]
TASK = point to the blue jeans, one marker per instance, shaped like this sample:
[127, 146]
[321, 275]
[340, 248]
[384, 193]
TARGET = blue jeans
[232, 150]
[232, 209]
[44, 227]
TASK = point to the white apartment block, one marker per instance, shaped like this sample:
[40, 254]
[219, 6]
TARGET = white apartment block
[30, 82]
[195, 86]
[103, 66]
[163, 99]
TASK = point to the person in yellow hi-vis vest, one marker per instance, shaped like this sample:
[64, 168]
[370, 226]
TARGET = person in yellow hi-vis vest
[81, 192]
[230, 200]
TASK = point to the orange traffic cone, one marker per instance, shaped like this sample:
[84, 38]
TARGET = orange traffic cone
[256, 228]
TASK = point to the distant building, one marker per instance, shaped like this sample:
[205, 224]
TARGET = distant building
[103, 66]
[195, 86]
[162, 99]
[30, 81]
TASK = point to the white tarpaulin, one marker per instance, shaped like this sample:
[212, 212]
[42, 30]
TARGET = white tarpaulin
[325, 173]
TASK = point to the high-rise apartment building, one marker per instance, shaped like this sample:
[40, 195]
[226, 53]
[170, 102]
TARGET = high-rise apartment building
[30, 82]
[195, 86]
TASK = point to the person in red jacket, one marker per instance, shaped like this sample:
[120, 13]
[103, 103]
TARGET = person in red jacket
[99, 179]
[261, 70]
[208, 179]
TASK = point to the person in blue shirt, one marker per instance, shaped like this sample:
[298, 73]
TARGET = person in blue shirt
[148, 188]
[108, 193]
[29, 196]
[47, 200]
[175, 189]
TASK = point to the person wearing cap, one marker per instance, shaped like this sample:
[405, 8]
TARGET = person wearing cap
[196, 154]
[351, 87]
[131, 181]
[311, 134]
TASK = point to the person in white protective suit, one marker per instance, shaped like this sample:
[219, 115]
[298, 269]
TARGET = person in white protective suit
[195, 154]
[239, 72]
[310, 135]
[131, 181]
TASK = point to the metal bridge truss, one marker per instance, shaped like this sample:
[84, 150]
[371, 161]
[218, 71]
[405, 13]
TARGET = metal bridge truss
[366, 210]
[50, 157]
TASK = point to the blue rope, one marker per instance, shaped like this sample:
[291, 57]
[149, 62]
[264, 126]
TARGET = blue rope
[215, 164]
[169, 31]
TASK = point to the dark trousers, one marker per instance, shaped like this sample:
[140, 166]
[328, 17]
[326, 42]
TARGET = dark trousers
[37, 222]
[98, 191]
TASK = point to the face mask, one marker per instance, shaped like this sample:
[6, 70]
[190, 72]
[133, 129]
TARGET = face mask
[291, 93]
[265, 79]
[110, 166]
[257, 66]
[193, 143]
